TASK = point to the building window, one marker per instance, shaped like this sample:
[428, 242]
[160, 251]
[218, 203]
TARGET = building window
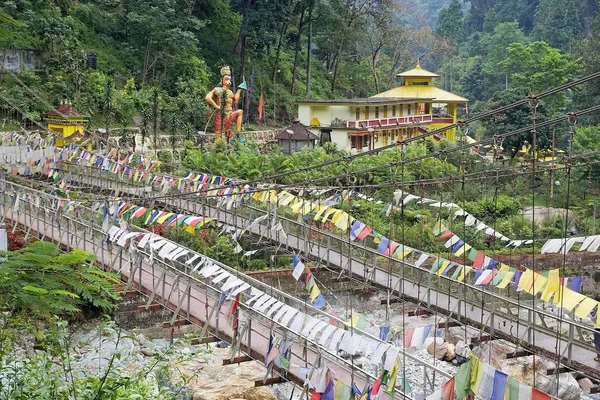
[409, 111]
[394, 110]
[385, 109]
[367, 112]
[376, 112]
[357, 113]
[418, 83]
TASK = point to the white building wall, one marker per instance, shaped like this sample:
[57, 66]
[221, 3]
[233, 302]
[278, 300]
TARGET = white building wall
[340, 138]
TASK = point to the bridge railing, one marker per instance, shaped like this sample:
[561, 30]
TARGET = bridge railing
[172, 283]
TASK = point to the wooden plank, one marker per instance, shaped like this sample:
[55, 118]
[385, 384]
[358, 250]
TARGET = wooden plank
[151, 307]
[449, 324]
[268, 382]
[517, 354]
[392, 301]
[559, 370]
[418, 313]
[179, 322]
[206, 340]
[237, 360]
[128, 294]
[595, 389]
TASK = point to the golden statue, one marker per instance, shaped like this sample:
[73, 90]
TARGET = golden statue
[222, 99]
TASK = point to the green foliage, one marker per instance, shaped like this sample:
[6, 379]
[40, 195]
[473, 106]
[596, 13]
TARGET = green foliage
[52, 373]
[557, 23]
[491, 209]
[450, 22]
[40, 281]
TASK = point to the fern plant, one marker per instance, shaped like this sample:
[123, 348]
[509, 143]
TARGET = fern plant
[39, 280]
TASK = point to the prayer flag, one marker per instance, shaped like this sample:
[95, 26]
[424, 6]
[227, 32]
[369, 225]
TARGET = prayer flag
[478, 263]
[500, 379]
[462, 382]
[261, 103]
[539, 395]
[392, 375]
[446, 235]
[319, 302]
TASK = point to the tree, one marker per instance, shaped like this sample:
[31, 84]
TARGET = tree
[513, 119]
[450, 23]
[538, 67]
[40, 281]
[557, 23]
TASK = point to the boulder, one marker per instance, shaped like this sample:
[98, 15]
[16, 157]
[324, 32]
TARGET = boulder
[207, 379]
[450, 353]
[462, 349]
[438, 350]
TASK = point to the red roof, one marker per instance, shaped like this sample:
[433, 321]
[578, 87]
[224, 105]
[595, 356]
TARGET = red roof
[65, 110]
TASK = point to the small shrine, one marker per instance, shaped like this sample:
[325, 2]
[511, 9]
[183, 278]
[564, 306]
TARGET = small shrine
[67, 124]
[295, 138]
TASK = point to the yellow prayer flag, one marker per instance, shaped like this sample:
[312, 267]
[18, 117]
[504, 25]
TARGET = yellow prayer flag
[337, 215]
[163, 218]
[476, 371]
[442, 268]
[343, 222]
[314, 292]
[284, 201]
[328, 213]
[585, 308]
[598, 317]
[526, 280]
[538, 284]
[571, 299]
[256, 196]
[462, 250]
[552, 285]
[506, 280]
[403, 253]
[504, 268]
[190, 229]
[320, 211]
[463, 274]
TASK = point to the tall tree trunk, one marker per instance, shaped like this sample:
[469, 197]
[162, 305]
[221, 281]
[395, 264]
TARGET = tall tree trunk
[308, 46]
[240, 47]
[297, 52]
[374, 57]
[284, 27]
[336, 63]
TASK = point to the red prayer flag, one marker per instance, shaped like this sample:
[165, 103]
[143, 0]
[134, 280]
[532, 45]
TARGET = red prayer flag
[315, 395]
[479, 258]
[448, 390]
[446, 235]
[408, 334]
[261, 103]
[539, 395]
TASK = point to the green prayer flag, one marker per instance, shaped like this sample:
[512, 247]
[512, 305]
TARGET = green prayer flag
[498, 278]
[512, 388]
[436, 265]
[472, 254]
[284, 363]
[462, 381]
[545, 274]
[310, 283]
[457, 272]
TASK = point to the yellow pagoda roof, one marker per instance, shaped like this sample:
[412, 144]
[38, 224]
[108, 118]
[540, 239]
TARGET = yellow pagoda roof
[428, 92]
[418, 72]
